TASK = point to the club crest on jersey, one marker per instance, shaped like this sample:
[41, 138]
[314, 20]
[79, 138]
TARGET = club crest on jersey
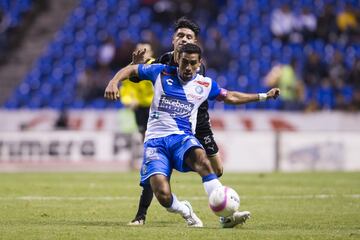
[199, 89]
[151, 154]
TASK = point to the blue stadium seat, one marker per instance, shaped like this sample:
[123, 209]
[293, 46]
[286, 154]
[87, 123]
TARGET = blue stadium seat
[244, 24]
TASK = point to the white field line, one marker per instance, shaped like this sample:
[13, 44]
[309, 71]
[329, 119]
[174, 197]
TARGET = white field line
[131, 198]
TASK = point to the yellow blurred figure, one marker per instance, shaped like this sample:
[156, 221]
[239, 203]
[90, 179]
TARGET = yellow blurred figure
[284, 77]
[347, 19]
[138, 96]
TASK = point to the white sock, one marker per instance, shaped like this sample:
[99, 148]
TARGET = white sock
[211, 185]
[178, 207]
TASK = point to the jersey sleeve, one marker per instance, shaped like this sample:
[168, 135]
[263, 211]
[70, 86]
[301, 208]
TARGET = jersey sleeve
[137, 79]
[150, 72]
[217, 93]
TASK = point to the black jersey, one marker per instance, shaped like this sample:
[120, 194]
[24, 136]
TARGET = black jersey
[203, 119]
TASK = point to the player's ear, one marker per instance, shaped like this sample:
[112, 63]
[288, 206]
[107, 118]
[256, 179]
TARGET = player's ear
[199, 64]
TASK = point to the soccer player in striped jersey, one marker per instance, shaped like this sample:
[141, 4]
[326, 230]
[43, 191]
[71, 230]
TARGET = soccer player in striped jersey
[185, 31]
[169, 141]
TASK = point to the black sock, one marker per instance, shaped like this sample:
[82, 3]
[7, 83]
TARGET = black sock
[144, 202]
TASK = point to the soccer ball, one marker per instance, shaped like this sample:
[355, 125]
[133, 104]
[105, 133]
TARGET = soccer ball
[224, 201]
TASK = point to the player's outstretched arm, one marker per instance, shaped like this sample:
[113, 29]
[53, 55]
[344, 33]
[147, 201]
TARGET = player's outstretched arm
[112, 89]
[236, 98]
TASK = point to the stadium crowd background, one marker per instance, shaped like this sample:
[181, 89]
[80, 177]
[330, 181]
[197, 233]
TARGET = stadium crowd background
[311, 49]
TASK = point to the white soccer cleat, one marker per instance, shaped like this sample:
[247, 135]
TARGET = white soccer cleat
[192, 220]
[235, 219]
[137, 222]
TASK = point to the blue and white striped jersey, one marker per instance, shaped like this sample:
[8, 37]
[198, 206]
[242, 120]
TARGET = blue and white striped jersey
[175, 103]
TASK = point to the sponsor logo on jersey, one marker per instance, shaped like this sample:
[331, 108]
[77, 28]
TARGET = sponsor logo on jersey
[205, 84]
[175, 107]
[169, 81]
[193, 96]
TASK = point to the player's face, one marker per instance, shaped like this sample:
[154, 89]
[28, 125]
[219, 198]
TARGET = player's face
[189, 63]
[183, 36]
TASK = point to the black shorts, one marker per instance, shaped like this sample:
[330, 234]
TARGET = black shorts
[141, 117]
[208, 142]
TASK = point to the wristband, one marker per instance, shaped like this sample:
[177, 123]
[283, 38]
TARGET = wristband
[262, 97]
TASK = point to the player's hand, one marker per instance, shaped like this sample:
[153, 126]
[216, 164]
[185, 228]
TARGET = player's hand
[138, 57]
[273, 93]
[112, 91]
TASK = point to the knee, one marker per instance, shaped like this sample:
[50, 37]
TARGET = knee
[161, 188]
[164, 197]
[202, 163]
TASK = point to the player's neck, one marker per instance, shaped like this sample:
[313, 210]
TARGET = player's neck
[175, 56]
[182, 81]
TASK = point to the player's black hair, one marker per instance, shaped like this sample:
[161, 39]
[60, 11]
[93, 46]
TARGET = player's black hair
[184, 22]
[190, 48]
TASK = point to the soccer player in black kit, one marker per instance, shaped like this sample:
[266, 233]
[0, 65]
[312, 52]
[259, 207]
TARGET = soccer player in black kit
[186, 31]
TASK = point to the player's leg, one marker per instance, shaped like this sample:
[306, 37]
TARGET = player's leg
[144, 204]
[216, 164]
[206, 139]
[161, 188]
[141, 116]
[156, 171]
[189, 155]
[196, 159]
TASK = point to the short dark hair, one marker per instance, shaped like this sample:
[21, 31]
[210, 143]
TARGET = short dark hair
[184, 22]
[190, 48]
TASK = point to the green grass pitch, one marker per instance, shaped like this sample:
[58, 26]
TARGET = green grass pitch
[99, 205]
